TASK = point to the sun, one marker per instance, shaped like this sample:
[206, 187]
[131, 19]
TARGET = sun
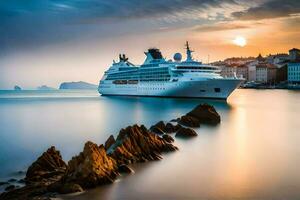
[240, 41]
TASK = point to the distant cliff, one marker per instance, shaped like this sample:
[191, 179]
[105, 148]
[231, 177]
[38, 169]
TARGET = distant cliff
[77, 85]
[45, 87]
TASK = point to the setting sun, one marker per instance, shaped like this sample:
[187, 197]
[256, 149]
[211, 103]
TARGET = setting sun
[240, 41]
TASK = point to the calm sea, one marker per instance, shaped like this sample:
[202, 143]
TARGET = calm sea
[253, 154]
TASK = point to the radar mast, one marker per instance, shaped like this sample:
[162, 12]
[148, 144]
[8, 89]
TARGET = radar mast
[188, 52]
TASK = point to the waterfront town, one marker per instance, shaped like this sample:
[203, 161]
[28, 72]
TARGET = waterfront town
[281, 70]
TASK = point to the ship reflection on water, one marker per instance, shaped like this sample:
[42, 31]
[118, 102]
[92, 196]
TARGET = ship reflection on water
[252, 154]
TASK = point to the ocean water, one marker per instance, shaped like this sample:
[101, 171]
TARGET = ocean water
[253, 154]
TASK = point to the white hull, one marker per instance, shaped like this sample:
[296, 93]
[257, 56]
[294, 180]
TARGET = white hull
[210, 88]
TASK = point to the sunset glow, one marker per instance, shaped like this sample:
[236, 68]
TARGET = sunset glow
[240, 41]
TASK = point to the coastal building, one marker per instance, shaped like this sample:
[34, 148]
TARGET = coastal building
[294, 73]
[242, 71]
[261, 74]
[252, 70]
[294, 54]
[266, 73]
[231, 71]
[281, 74]
[278, 60]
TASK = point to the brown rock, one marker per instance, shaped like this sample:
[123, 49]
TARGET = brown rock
[168, 138]
[185, 133]
[125, 169]
[70, 188]
[206, 114]
[189, 121]
[137, 144]
[109, 142]
[91, 167]
[170, 128]
[49, 164]
[159, 128]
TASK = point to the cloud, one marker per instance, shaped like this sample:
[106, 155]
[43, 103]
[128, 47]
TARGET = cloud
[220, 27]
[33, 23]
[269, 9]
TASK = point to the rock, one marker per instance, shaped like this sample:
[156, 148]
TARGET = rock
[156, 130]
[21, 181]
[12, 180]
[168, 138]
[170, 128]
[189, 121]
[91, 167]
[125, 169]
[70, 188]
[28, 192]
[48, 166]
[206, 114]
[78, 85]
[4, 183]
[175, 120]
[185, 133]
[18, 88]
[9, 188]
[109, 142]
[137, 144]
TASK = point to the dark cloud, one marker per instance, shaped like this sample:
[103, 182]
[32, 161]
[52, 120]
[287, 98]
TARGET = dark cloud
[34, 23]
[270, 9]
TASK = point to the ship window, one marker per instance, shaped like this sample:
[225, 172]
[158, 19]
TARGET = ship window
[217, 89]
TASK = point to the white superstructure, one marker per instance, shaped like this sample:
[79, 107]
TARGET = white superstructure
[162, 78]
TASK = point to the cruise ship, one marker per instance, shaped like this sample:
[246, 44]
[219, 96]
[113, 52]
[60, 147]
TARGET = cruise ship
[158, 77]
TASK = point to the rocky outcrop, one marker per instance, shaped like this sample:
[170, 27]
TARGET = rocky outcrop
[161, 128]
[91, 167]
[137, 144]
[48, 169]
[189, 121]
[125, 169]
[97, 165]
[49, 166]
[186, 133]
[109, 142]
[206, 114]
[168, 138]
[78, 85]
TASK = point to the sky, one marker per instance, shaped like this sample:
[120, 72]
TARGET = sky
[46, 42]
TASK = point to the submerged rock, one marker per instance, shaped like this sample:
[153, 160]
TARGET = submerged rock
[186, 133]
[206, 114]
[136, 144]
[49, 166]
[91, 167]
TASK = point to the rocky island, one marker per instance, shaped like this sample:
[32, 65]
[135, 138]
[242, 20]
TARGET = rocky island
[80, 85]
[103, 164]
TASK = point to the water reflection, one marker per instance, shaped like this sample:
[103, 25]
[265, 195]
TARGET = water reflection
[252, 154]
